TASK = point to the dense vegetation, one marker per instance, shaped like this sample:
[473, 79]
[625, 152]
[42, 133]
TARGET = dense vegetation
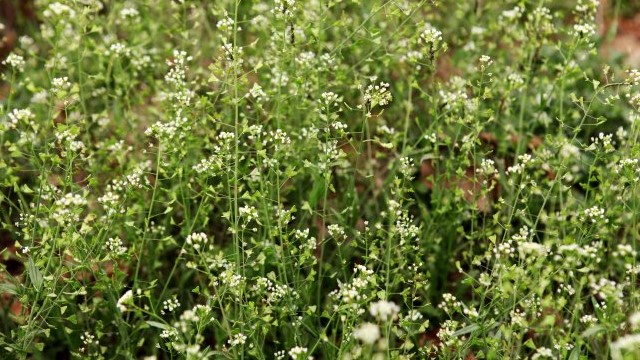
[326, 179]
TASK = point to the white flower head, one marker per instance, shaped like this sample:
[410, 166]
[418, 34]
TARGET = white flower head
[384, 310]
[126, 298]
[15, 61]
[368, 333]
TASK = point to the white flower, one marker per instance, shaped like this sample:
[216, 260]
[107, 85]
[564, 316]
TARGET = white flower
[298, 353]
[116, 246]
[431, 36]
[126, 298]
[584, 30]
[384, 310]
[257, 93]
[60, 84]
[197, 240]
[588, 319]
[532, 248]
[634, 320]
[15, 61]
[624, 343]
[378, 95]
[513, 14]
[17, 115]
[129, 13]
[487, 167]
[485, 61]
[634, 77]
[518, 168]
[169, 305]
[594, 214]
[368, 333]
[237, 339]
[226, 23]
[542, 353]
[58, 9]
[284, 9]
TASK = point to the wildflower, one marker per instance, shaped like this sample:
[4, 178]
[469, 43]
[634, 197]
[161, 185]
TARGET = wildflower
[584, 30]
[529, 248]
[432, 138]
[487, 167]
[66, 138]
[588, 319]
[116, 246]
[14, 61]
[518, 168]
[18, 115]
[515, 79]
[629, 342]
[384, 310]
[68, 208]
[407, 167]
[198, 241]
[226, 23]
[129, 13]
[368, 333]
[237, 339]
[58, 9]
[542, 353]
[569, 151]
[377, 95]
[169, 305]
[125, 299]
[634, 320]
[88, 340]
[336, 231]
[485, 62]
[353, 292]
[60, 85]
[284, 9]
[449, 303]
[455, 98]
[634, 77]
[233, 54]
[40, 97]
[171, 130]
[249, 213]
[329, 100]
[431, 36]
[257, 93]
[446, 334]
[298, 353]
[118, 49]
[594, 214]
[513, 14]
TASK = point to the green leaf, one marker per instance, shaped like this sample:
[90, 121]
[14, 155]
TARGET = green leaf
[158, 325]
[466, 330]
[492, 238]
[592, 331]
[34, 274]
[575, 353]
[530, 344]
[8, 288]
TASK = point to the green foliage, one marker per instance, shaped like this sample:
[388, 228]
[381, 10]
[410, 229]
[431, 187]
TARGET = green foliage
[318, 179]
